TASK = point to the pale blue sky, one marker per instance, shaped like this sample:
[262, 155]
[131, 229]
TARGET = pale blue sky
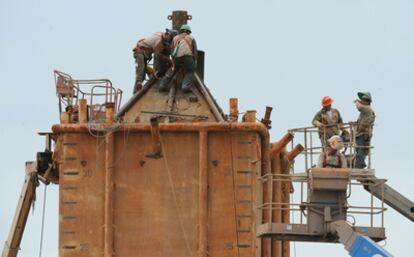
[287, 54]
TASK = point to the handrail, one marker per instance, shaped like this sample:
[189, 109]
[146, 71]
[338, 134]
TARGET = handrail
[307, 136]
[357, 177]
[69, 91]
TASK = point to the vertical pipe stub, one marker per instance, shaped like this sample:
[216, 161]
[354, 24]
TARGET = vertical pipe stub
[295, 152]
[83, 111]
[155, 138]
[266, 120]
[250, 116]
[179, 18]
[234, 109]
[109, 112]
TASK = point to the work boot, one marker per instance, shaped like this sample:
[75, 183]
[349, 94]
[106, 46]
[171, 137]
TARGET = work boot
[164, 85]
[187, 88]
[137, 87]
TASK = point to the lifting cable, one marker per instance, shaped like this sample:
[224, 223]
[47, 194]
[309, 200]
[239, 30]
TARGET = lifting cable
[43, 221]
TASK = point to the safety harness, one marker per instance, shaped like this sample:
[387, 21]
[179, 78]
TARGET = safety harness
[325, 160]
[181, 37]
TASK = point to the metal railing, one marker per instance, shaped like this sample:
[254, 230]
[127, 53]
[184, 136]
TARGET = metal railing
[298, 203]
[298, 207]
[97, 92]
[314, 145]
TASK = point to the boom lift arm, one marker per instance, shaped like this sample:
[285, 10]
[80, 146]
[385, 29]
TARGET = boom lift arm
[393, 198]
[12, 245]
[356, 244]
[43, 170]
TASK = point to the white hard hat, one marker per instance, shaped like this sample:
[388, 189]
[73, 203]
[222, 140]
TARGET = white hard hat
[336, 142]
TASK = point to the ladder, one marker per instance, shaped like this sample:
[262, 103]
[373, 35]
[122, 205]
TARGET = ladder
[244, 177]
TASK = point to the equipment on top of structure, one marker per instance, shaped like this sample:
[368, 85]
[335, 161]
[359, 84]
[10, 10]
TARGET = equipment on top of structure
[171, 174]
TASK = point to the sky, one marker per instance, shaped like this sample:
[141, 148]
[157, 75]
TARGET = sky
[286, 54]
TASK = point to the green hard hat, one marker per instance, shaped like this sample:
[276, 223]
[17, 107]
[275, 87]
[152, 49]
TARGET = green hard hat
[185, 27]
[365, 96]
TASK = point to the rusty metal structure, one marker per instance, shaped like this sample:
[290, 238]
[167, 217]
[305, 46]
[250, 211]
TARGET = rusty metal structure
[173, 175]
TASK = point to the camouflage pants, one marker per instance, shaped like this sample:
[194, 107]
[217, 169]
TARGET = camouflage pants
[140, 68]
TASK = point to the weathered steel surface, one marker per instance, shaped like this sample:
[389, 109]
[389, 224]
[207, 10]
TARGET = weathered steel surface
[81, 195]
[197, 200]
[153, 100]
[178, 18]
[234, 109]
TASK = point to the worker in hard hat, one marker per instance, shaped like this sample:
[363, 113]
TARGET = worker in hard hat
[184, 54]
[158, 45]
[364, 126]
[328, 121]
[331, 156]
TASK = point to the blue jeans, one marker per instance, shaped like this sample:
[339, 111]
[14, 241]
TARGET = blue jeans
[362, 150]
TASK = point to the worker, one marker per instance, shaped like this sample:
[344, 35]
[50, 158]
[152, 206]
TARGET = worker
[158, 45]
[331, 156]
[328, 121]
[364, 126]
[184, 54]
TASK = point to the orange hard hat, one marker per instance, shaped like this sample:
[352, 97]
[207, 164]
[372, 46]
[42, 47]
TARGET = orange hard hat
[326, 101]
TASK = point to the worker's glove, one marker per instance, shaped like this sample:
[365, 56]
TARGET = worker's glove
[319, 125]
[345, 136]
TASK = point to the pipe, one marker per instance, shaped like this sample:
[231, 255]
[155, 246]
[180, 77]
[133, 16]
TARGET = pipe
[180, 127]
[171, 99]
[178, 18]
[109, 113]
[155, 138]
[295, 152]
[234, 109]
[202, 194]
[266, 120]
[65, 118]
[250, 116]
[83, 112]
[281, 144]
[109, 196]
[277, 198]
[286, 189]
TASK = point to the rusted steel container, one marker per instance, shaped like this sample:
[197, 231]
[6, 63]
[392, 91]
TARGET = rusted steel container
[166, 174]
[197, 197]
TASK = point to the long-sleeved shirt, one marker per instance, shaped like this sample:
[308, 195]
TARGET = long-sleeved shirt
[366, 119]
[153, 44]
[329, 119]
[332, 159]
